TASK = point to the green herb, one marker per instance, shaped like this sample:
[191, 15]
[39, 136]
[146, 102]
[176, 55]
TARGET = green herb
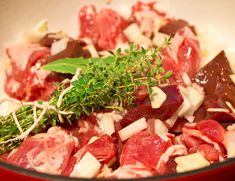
[104, 83]
[70, 65]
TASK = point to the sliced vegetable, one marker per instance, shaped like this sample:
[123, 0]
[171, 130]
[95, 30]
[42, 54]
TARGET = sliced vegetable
[157, 97]
[87, 167]
[190, 162]
[160, 127]
[132, 129]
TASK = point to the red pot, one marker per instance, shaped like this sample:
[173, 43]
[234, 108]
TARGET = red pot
[219, 171]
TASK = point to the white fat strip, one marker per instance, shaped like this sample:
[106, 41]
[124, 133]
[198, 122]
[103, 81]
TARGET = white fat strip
[171, 151]
[217, 110]
[230, 106]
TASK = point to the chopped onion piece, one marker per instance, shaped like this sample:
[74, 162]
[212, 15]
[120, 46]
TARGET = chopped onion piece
[125, 11]
[106, 123]
[132, 129]
[59, 46]
[190, 162]
[186, 106]
[160, 127]
[133, 34]
[87, 167]
[159, 39]
[195, 97]
[157, 97]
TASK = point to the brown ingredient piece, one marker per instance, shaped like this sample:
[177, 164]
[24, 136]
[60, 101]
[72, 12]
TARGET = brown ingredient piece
[75, 48]
[172, 27]
[219, 88]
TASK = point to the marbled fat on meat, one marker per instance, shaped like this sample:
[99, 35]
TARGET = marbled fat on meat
[45, 152]
[104, 28]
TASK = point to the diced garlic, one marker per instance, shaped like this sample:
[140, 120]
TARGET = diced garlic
[190, 162]
[92, 50]
[157, 97]
[159, 39]
[160, 127]
[132, 129]
[59, 46]
[106, 123]
[233, 78]
[87, 167]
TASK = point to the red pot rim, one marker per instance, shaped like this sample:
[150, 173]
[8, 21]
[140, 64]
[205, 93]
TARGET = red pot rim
[220, 166]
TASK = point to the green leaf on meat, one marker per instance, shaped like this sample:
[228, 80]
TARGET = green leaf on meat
[70, 65]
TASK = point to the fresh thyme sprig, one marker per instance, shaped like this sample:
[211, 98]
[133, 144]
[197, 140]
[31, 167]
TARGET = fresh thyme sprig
[100, 85]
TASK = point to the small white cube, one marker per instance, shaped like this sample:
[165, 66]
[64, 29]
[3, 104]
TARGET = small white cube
[157, 97]
[132, 129]
[87, 167]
